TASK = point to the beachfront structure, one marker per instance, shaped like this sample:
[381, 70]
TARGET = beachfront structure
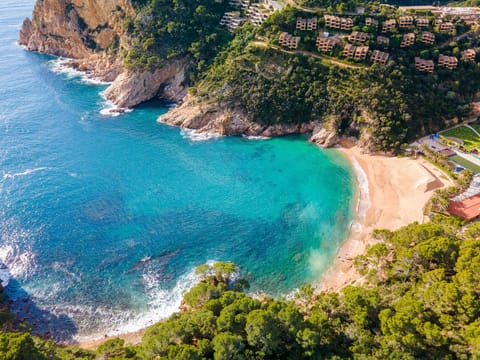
[336, 22]
[371, 22]
[361, 53]
[447, 26]
[424, 65]
[325, 44]
[383, 40]
[467, 209]
[449, 62]
[405, 21]
[380, 57]
[389, 25]
[427, 37]
[469, 55]
[408, 40]
[288, 40]
[422, 22]
[349, 50]
[232, 20]
[358, 37]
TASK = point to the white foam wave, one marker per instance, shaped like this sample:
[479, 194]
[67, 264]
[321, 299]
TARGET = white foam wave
[363, 203]
[252, 137]
[4, 274]
[12, 176]
[110, 109]
[16, 249]
[162, 303]
[63, 66]
[195, 135]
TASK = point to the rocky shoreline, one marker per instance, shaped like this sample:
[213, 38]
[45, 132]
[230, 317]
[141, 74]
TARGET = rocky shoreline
[83, 31]
[225, 120]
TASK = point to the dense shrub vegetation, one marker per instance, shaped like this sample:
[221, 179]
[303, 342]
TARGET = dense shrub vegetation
[389, 105]
[166, 29]
[420, 300]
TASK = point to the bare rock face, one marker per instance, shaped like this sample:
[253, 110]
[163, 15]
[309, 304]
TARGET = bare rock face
[224, 120]
[81, 30]
[324, 137]
[134, 87]
[74, 28]
[84, 30]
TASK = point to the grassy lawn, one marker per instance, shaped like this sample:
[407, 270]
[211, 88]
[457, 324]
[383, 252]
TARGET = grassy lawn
[476, 126]
[471, 140]
[465, 163]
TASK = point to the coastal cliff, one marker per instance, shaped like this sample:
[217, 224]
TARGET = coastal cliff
[93, 35]
[225, 119]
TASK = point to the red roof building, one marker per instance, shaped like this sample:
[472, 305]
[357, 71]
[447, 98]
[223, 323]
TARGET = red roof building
[467, 209]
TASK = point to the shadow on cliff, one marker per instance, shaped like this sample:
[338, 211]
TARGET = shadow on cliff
[41, 322]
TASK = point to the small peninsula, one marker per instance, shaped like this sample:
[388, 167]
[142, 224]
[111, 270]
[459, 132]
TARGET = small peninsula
[375, 80]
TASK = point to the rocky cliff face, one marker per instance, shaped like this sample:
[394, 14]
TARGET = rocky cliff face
[91, 33]
[74, 28]
[134, 87]
[226, 120]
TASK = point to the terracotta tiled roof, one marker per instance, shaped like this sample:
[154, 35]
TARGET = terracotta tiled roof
[467, 209]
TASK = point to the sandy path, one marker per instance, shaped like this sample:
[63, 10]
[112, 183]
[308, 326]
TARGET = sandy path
[397, 190]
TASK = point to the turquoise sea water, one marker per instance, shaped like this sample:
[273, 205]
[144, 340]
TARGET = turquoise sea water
[103, 219]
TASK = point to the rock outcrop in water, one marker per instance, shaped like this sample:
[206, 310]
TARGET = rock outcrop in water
[91, 32]
[134, 87]
[225, 120]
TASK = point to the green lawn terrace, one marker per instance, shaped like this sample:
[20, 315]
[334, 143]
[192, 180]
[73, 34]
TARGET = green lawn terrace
[468, 134]
[458, 146]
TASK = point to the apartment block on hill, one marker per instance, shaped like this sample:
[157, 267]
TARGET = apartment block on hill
[232, 20]
[371, 22]
[405, 21]
[447, 26]
[257, 14]
[389, 25]
[380, 57]
[424, 65]
[336, 22]
[306, 24]
[427, 37]
[312, 24]
[422, 22]
[408, 40]
[358, 37]
[361, 53]
[349, 50]
[449, 62]
[469, 55]
[383, 40]
[325, 44]
[244, 4]
[288, 40]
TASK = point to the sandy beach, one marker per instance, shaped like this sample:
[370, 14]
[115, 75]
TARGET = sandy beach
[393, 192]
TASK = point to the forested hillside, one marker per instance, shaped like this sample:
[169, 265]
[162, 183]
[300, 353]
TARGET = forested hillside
[420, 300]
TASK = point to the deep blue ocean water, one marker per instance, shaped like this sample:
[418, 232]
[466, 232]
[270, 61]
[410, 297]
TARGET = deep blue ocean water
[103, 219]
